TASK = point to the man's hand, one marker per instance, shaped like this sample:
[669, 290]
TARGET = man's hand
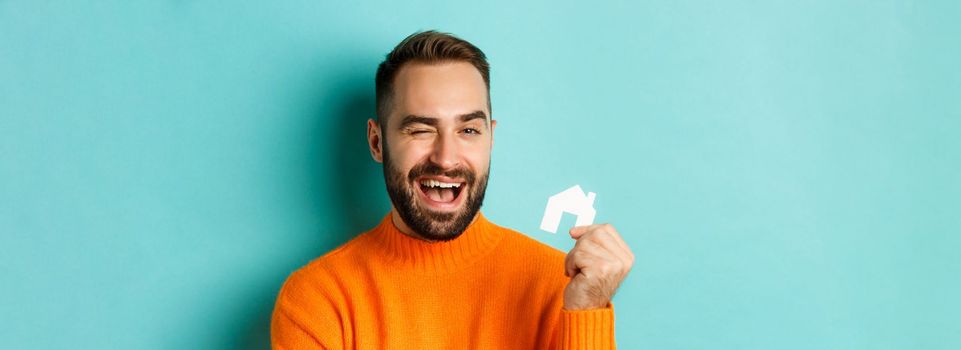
[598, 263]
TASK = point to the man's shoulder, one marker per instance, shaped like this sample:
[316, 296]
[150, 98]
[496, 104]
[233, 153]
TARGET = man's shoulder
[336, 258]
[324, 268]
[314, 289]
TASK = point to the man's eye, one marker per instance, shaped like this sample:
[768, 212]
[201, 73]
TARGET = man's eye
[471, 131]
[418, 132]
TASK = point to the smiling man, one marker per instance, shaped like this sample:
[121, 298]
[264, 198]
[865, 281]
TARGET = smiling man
[435, 273]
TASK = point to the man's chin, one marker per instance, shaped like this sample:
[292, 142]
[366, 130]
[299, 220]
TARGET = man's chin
[443, 237]
[442, 226]
[446, 215]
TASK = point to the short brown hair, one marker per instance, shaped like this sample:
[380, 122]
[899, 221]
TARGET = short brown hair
[425, 47]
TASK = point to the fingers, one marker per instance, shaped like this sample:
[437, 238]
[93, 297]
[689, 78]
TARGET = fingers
[592, 255]
[583, 257]
[607, 237]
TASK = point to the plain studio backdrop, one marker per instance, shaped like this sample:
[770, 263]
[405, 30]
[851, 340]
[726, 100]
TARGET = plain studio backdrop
[787, 173]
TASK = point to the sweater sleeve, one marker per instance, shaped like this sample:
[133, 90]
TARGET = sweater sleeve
[587, 329]
[304, 318]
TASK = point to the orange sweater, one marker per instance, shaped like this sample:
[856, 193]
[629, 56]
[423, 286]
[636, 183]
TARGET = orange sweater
[490, 288]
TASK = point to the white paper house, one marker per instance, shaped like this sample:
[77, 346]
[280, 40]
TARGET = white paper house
[572, 200]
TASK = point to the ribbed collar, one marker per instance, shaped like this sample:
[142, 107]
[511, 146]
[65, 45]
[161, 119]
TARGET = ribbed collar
[405, 252]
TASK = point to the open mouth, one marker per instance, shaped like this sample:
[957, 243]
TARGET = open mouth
[440, 192]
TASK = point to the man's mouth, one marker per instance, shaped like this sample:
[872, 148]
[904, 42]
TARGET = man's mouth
[441, 193]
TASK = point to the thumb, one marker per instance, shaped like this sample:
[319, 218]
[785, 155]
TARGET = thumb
[578, 231]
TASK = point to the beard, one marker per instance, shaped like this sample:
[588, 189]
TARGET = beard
[429, 224]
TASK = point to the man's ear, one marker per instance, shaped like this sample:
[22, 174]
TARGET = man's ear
[375, 140]
[493, 125]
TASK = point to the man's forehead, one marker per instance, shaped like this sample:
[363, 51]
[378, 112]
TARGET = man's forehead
[444, 90]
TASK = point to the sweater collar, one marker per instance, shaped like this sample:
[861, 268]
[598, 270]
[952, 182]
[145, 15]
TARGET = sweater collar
[403, 251]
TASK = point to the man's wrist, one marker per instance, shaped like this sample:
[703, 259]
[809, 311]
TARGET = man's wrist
[587, 306]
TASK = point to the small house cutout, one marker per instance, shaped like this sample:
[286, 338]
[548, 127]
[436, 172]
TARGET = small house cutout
[572, 200]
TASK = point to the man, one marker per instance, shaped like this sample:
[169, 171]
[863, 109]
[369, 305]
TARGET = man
[435, 273]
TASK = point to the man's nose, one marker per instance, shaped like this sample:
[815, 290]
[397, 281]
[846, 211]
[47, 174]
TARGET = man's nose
[446, 153]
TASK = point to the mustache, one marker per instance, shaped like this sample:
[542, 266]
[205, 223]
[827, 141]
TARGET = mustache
[431, 169]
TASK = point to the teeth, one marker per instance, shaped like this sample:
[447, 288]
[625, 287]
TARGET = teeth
[435, 183]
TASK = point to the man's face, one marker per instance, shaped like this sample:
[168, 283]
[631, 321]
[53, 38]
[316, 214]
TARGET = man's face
[436, 147]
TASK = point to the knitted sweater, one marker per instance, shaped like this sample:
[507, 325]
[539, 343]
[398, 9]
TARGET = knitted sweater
[489, 288]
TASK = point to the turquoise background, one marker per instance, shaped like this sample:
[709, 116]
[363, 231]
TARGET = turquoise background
[788, 173]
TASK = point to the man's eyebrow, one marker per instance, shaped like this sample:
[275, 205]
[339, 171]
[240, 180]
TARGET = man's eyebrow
[473, 115]
[417, 119]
